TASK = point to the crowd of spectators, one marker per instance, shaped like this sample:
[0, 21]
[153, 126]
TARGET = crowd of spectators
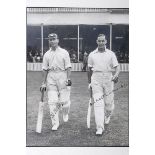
[123, 57]
[35, 56]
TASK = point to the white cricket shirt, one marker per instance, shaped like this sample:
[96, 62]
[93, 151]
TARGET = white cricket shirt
[102, 61]
[56, 60]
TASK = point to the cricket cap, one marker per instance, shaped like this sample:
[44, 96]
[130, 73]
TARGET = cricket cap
[53, 35]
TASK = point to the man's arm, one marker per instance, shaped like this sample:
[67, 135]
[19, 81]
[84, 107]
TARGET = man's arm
[68, 73]
[44, 75]
[69, 83]
[115, 76]
[90, 66]
[89, 73]
[45, 70]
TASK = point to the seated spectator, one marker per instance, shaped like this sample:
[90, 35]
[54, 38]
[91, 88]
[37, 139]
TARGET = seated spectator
[80, 56]
[37, 56]
[74, 58]
[121, 58]
[33, 59]
[29, 57]
[85, 60]
[38, 59]
[126, 58]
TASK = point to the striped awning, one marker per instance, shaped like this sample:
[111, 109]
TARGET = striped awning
[76, 10]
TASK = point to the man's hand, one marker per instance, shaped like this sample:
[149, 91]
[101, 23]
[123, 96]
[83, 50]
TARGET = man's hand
[68, 82]
[115, 78]
[43, 87]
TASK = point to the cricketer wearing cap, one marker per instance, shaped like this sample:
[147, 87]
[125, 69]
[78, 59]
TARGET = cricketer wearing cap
[101, 63]
[56, 75]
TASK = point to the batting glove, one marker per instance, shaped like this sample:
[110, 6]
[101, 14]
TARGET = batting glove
[68, 83]
[43, 87]
[115, 79]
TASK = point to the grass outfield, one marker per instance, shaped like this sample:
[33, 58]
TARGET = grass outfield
[75, 132]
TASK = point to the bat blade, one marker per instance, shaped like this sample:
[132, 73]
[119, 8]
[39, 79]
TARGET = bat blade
[89, 113]
[40, 117]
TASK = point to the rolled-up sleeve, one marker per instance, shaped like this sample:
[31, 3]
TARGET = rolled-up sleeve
[114, 60]
[45, 63]
[90, 61]
[67, 61]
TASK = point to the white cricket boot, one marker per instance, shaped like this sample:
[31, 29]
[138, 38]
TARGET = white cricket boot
[65, 117]
[55, 122]
[66, 109]
[99, 113]
[99, 131]
[55, 127]
[107, 120]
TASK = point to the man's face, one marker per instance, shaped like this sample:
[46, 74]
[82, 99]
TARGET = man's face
[53, 42]
[101, 41]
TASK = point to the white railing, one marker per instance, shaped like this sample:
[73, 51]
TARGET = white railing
[124, 67]
[75, 67]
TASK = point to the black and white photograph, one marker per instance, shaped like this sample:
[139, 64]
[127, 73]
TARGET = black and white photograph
[65, 82]
[77, 77]
[33, 122]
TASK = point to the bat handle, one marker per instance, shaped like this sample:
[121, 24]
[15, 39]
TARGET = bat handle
[42, 95]
[91, 93]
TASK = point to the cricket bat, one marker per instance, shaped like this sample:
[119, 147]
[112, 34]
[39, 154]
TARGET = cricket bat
[89, 109]
[40, 113]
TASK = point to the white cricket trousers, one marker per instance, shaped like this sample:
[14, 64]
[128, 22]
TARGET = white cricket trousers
[102, 87]
[58, 94]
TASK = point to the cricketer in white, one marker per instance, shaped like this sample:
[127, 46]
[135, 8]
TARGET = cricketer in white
[101, 63]
[56, 77]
